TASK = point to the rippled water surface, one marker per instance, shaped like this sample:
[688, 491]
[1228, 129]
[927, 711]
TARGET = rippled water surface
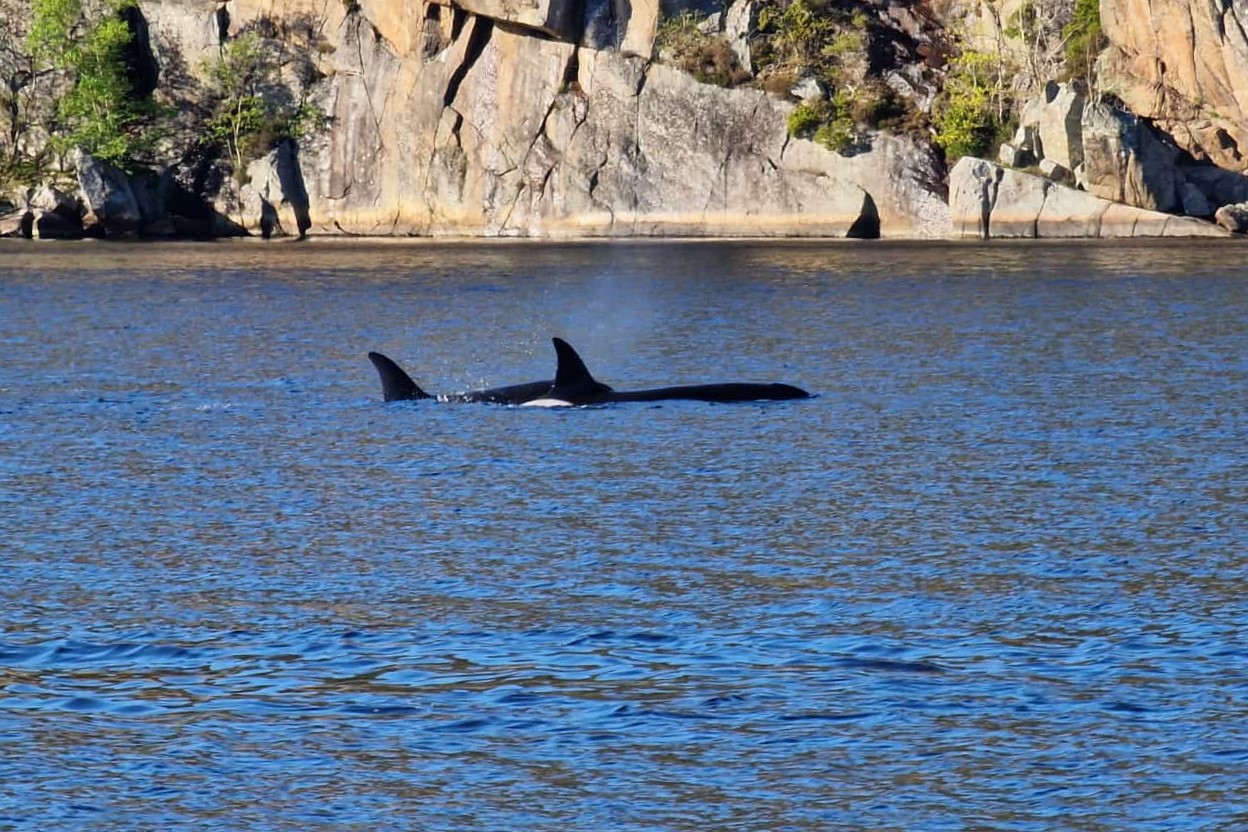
[993, 577]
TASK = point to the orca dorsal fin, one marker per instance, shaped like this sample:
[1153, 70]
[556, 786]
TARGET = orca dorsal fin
[571, 369]
[396, 385]
[571, 374]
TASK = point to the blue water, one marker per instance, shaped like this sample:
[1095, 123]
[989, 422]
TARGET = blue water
[993, 577]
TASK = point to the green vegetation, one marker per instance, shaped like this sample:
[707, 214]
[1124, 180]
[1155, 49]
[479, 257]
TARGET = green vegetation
[797, 34]
[806, 119]
[829, 122]
[73, 74]
[51, 30]
[817, 39]
[247, 119]
[1084, 39]
[101, 114]
[973, 109]
[709, 58]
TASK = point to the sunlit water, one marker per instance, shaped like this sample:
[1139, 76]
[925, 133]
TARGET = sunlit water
[993, 577]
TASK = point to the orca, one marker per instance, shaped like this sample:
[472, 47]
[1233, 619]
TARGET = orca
[397, 386]
[575, 386]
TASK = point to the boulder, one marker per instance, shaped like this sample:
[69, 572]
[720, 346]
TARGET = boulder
[1051, 170]
[275, 186]
[1233, 218]
[55, 215]
[47, 199]
[1014, 156]
[17, 222]
[53, 225]
[972, 194]
[1068, 214]
[989, 201]
[1125, 161]
[808, 90]
[1059, 123]
[1019, 201]
[108, 197]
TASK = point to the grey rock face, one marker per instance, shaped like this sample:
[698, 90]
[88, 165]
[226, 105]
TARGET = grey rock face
[108, 197]
[1057, 119]
[275, 198]
[1183, 64]
[739, 23]
[1125, 161]
[973, 187]
[505, 134]
[989, 201]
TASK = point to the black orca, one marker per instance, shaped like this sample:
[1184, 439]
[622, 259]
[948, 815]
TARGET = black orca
[397, 386]
[574, 385]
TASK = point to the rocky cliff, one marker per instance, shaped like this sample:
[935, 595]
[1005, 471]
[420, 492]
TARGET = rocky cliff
[1150, 143]
[1184, 65]
[544, 118]
[554, 119]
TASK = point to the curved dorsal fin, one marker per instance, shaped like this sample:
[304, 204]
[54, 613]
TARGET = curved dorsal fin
[572, 377]
[571, 369]
[396, 385]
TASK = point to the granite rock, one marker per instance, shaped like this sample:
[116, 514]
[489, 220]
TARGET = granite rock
[989, 201]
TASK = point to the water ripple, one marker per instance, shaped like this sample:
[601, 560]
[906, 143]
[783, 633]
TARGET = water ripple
[990, 578]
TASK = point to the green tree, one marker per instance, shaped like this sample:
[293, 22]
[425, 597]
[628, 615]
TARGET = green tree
[240, 112]
[100, 113]
[252, 111]
[25, 96]
[1084, 39]
[972, 107]
[53, 30]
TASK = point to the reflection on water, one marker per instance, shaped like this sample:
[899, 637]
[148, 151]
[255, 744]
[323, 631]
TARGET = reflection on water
[991, 578]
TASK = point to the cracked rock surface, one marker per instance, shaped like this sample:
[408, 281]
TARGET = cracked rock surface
[487, 117]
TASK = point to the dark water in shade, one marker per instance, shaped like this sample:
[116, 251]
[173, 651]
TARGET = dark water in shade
[994, 577]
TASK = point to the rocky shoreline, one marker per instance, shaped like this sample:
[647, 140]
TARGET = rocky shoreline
[474, 118]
